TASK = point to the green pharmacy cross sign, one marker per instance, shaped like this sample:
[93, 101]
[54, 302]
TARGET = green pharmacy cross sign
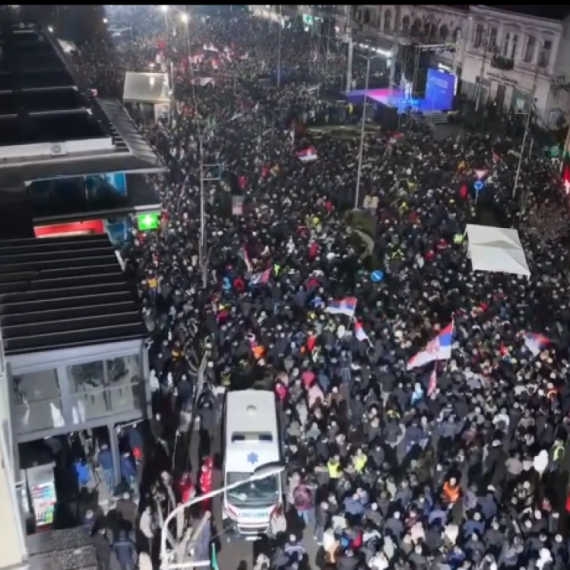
[148, 222]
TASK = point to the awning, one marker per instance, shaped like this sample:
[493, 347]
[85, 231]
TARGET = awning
[146, 88]
[496, 250]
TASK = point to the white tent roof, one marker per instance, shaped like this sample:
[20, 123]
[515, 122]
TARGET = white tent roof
[497, 250]
[146, 88]
[67, 47]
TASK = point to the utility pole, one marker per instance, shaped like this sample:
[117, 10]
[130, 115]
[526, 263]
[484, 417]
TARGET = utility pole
[350, 47]
[393, 58]
[208, 173]
[362, 132]
[565, 150]
[279, 32]
[523, 145]
[485, 46]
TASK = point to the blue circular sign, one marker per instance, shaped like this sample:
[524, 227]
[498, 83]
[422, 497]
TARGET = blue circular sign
[478, 186]
[376, 276]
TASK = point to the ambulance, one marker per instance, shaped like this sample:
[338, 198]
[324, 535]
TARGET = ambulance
[251, 438]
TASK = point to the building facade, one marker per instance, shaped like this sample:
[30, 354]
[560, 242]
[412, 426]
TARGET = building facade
[516, 61]
[513, 60]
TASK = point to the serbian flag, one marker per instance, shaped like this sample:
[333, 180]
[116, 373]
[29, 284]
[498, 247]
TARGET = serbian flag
[307, 155]
[437, 349]
[535, 342]
[432, 382]
[261, 278]
[345, 306]
[246, 259]
[360, 333]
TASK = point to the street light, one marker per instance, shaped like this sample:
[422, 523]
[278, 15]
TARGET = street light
[362, 125]
[164, 9]
[50, 29]
[261, 472]
[105, 21]
[202, 249]
[185, 18]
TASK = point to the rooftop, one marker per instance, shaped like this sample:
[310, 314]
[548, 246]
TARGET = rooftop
[48, 127]
[63, 292]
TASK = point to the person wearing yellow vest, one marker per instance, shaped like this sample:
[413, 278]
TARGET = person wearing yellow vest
[451, 491]
[334, 468]
[557, 452]
[359, 461]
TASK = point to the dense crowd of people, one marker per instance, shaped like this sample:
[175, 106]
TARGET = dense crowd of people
[426, 405]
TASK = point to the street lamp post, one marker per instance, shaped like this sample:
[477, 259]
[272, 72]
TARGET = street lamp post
[362, 129]
[279, 45]
[263, 471]
[523, 146]
[185, 18]
[202, 253]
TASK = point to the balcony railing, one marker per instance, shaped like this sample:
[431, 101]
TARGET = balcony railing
[98, 403]
[503, 63]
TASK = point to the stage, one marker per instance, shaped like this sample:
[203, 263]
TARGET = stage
[439, 93]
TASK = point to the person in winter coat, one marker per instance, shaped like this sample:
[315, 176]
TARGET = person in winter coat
[125, 551]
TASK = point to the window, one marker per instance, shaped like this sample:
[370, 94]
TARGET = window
[106, 387]
[37, 401]
[367, 16]
[417, 27]
[492, 44]
[86, 377]
[478, 37]
[506, 43]
[513, 50]
[443, 32]
[406, 24]
[387, 21]
[545, 53]
[529, 49]
[261, 493]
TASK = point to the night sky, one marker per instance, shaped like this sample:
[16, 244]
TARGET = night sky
[542, 11]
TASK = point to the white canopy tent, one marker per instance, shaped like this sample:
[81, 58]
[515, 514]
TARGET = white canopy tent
[67, 47]
[496, 250]
[150, 88]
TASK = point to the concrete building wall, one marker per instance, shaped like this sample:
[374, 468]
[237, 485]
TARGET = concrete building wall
[12, 543]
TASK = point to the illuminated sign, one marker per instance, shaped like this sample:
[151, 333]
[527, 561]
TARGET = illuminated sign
[146, 222]
[72, 229]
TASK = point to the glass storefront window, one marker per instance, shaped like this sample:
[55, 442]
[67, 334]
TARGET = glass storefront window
[37, 401]
[107, 387]
[78, 194]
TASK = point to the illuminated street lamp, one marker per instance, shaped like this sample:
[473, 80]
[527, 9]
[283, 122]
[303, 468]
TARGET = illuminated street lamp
[50, 29]
[105, 21]
[185, 18]
[164, 9]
